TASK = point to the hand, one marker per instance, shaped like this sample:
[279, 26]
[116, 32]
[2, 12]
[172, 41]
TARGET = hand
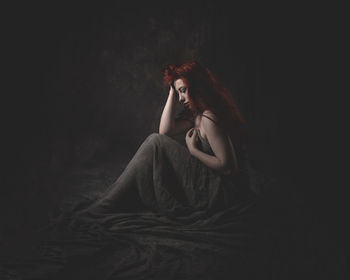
[191, 139]
[171, 89]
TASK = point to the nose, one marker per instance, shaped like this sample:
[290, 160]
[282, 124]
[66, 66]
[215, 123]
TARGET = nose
[181, 98]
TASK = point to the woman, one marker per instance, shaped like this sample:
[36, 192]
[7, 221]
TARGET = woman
[207, 174]
[177, 211]
[207, 99]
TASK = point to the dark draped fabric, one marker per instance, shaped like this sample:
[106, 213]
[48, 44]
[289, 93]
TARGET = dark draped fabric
[167, 216]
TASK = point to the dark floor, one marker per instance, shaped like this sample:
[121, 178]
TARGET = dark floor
[306, 247]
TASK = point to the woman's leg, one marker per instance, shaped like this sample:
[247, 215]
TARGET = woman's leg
[138, 186]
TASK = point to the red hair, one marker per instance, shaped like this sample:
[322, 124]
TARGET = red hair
[206, 93]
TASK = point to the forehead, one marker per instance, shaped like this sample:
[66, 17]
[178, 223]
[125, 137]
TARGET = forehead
[179, 83]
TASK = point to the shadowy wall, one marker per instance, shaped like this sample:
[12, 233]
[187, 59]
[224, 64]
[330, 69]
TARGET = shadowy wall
[82, 86]
[86, 80]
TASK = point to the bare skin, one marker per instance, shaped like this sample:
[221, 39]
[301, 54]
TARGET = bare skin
[168, 125]
[224, 159]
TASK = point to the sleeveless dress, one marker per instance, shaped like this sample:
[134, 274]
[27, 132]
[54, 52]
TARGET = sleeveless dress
[164, 177]
[167, 216]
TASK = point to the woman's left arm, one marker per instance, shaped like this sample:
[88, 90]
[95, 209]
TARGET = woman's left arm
[219, 144]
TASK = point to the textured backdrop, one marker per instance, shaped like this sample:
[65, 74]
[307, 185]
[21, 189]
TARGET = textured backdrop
[82, 90]
[88, 78]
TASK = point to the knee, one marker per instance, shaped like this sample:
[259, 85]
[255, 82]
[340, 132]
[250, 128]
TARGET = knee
[152, 136]
[156, 137]
[156, 140]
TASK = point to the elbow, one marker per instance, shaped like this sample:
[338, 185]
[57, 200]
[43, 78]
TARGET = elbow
[164, 132]
[161, 130]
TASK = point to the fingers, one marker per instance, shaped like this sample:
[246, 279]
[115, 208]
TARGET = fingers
[191, 129]
[190, 132]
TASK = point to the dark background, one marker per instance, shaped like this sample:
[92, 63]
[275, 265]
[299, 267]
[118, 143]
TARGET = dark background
[85, 89]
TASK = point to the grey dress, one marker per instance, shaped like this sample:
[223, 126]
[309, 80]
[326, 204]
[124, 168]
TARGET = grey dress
[164, 177]
[167, 216]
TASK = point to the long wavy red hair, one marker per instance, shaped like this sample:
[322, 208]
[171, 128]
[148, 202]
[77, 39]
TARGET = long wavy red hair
[207, 93]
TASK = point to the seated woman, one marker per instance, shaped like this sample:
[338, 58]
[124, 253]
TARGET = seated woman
[178, 210]
[206, 174]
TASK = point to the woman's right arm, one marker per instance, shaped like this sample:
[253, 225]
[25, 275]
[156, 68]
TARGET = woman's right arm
[168, 125]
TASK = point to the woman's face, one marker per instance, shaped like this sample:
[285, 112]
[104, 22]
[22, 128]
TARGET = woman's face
[182, 92]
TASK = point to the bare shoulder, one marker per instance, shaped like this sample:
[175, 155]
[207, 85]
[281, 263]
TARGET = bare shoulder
[210, 115]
